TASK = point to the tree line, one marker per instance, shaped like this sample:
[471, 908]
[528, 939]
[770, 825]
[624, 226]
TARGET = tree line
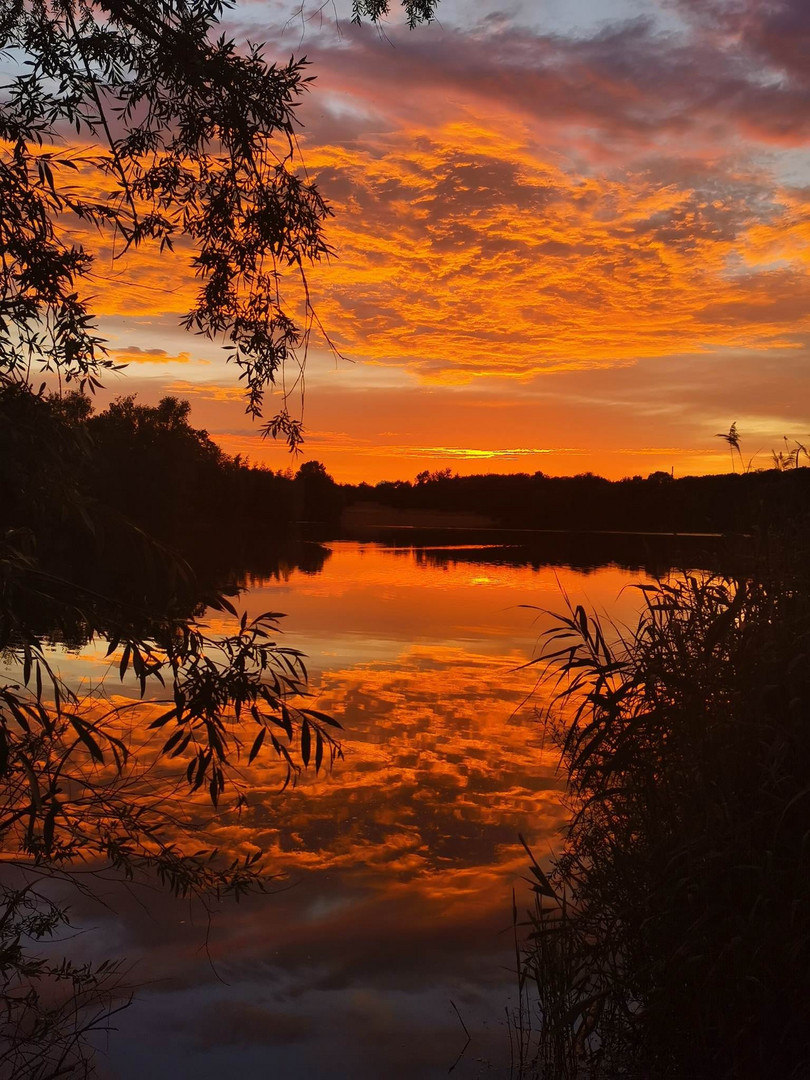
[734, 502]
[82, 487]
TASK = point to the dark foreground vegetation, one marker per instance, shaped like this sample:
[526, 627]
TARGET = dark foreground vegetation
[672, 939]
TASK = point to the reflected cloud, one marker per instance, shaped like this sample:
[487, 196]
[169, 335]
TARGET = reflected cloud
[396, 869]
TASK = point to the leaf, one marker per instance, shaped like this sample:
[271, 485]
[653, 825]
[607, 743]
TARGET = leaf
[318, 751]
[173, 740]
[285, 722]
[543, 884]
[122, 667]
[84, 734]
[181, 746]
[305, 742]
[163, 719]
[324, 718]
[257, 745]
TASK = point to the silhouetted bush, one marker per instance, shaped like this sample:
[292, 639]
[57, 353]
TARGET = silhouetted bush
[672, 939]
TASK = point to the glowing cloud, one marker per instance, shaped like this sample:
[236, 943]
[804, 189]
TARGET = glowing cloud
[133, 354]
[522, 204]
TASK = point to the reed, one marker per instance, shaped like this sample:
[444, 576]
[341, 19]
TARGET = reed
[672, 938]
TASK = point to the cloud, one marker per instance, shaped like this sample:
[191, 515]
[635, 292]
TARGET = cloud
[466, 253]
[775, 33]
[537, 202]
[134, 354]
[541, 212]
[207, 391]
[468, 453]
[615, 89]
[606, 420]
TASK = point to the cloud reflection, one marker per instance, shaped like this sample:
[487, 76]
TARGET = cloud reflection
[397, 867]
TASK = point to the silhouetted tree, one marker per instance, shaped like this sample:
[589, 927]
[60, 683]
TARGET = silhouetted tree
[319, 497]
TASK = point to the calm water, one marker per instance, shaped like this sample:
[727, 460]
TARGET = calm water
[396, 870]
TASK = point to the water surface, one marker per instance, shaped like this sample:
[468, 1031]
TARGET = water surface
[396, 870]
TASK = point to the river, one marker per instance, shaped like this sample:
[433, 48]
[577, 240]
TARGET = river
[387, 932]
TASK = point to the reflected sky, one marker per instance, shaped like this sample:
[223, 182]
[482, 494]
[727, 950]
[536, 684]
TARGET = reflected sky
[396, 869]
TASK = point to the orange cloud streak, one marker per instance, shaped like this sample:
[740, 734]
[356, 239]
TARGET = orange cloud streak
[464, 253]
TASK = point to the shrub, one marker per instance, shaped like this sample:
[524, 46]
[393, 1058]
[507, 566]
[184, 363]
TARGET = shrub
[672, 940]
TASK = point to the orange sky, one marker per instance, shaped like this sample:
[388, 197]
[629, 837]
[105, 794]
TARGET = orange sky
[572, 238]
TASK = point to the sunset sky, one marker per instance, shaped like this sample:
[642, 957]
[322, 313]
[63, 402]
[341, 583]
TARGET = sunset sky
[571, 235]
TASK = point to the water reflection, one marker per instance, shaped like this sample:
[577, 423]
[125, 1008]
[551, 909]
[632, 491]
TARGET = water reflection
[399, 865]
